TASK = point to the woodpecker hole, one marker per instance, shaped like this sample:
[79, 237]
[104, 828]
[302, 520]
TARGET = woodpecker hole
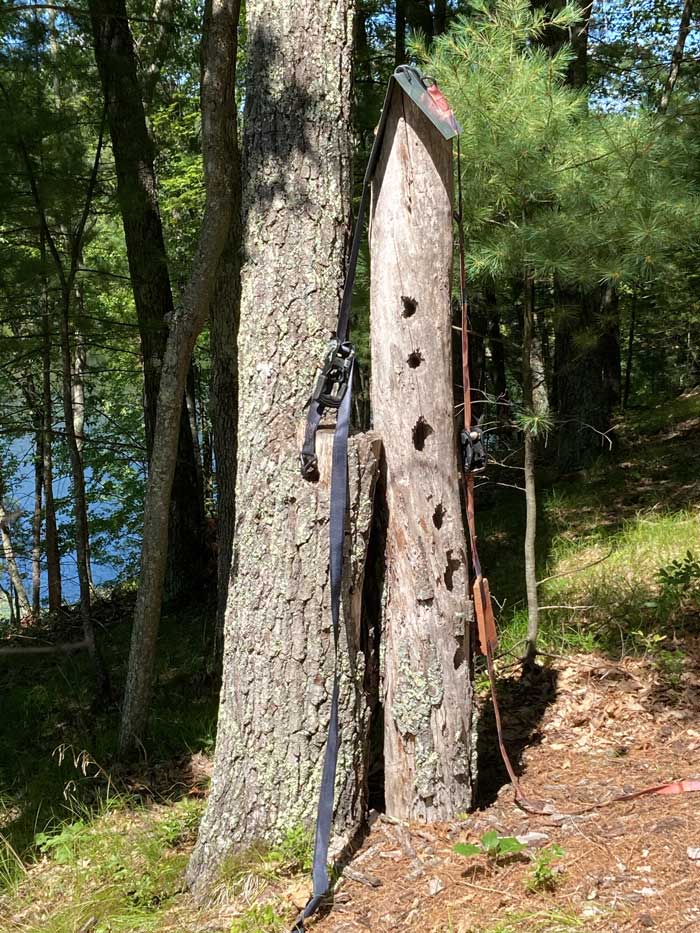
[415, 359]
[421, 431]
[453, 564]
[409, 306]
[438, 515]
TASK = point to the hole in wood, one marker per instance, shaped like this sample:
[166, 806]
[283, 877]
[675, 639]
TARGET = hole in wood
[409, 306]
[459, 658]
[453, 564]
[438, 515]
[421, 432]
[415, 359]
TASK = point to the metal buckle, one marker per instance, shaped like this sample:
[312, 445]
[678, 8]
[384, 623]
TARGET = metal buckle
[332, 382]
[473, 451]
[309, 466]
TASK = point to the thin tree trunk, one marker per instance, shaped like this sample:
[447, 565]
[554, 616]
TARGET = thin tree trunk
[530, 409]
[400, 32]
[427, 684]
[78, 368]
[225, 317]
[80, 512]
[630, 353]
[21, 600]
[36, 516]
[53, 559]
[278, 656]
[677, 55]
[219, 153]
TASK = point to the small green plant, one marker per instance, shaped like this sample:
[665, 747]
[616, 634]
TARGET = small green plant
[294, 853]
[680, 575]
[180, 824]
[260, 918]
[543, 876]
[63, 844]
[491, 845]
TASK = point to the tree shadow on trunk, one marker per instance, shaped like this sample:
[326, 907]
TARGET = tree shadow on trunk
[523, 702]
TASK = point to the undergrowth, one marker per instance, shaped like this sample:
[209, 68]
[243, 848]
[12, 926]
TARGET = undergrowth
[618, 545]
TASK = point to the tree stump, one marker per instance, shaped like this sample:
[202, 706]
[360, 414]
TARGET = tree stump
[426, 639]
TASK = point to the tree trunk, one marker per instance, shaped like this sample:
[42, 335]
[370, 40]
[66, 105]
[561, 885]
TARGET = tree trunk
[399, 33]
[225, 317]
[677, 55]
[80, 511]
[218, 110]
[278, 655]
[531, 401]
[498, 368]
[427, 688]
[53, 558]
[36, 516]
[148, 265]
[609, 344]
[582, 400]
[6, 519]
[78, 382]
[630, 352]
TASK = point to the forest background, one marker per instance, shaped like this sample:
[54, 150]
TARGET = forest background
[580, 165]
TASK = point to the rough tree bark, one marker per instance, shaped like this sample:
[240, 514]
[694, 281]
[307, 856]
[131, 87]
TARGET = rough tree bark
[148, 265]
[278, 655]
[218, 108]
[427, 688]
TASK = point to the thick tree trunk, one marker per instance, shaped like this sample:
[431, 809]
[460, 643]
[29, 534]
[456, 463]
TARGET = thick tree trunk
[278, 655]
[148, 265]
[427, 689]
[219, 153]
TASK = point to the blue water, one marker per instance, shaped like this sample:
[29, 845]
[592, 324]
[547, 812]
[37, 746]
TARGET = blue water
[21, 491]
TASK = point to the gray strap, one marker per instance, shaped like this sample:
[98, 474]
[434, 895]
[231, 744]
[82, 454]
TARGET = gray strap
[339, 502]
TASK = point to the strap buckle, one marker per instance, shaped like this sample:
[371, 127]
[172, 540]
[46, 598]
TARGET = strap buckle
[309, 465]
[473, 451]
[332, 382]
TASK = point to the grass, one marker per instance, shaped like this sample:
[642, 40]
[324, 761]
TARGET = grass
[605, 537]
[57, 753]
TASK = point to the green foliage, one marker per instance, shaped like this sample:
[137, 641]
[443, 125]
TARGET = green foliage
[294, 852]
[491, 845]
[542, 875]
[260, 918]
[64, 844]
[548, 181]
[180, 823]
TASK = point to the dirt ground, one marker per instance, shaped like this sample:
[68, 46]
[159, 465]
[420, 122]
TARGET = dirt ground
[595, 728]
